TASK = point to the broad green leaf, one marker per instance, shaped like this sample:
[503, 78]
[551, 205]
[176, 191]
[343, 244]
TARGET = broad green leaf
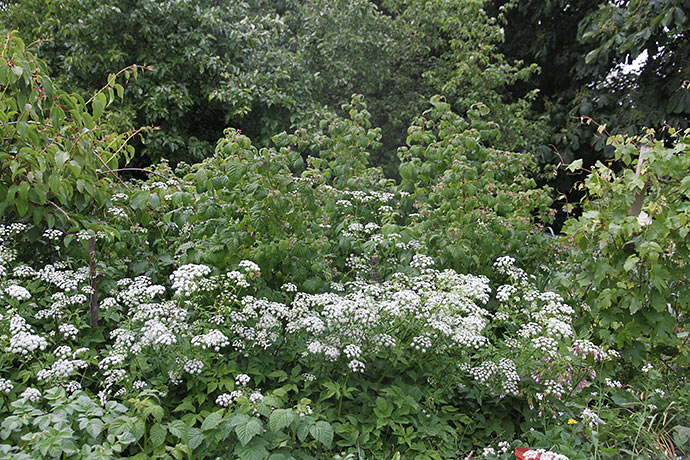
[246, 431]
[179, 428]
[630, 262]
[212, 420]
[196, 437]
[157, 435]
[253, 451]
[94, 427]
[322, 432]
[280, 418]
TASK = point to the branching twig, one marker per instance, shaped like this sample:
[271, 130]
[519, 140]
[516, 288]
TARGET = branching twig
[60, 209]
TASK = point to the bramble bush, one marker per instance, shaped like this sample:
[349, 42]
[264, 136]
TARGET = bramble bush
[473, 202]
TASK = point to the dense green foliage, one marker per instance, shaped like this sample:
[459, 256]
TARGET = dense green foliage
[586, 51]
[278, 285]
[636, 224]
[263, 67]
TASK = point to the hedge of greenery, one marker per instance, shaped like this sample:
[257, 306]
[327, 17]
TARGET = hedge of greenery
[290, 302]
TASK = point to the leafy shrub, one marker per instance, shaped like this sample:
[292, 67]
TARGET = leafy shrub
[629, 260]
[472, 202]
[56, 156]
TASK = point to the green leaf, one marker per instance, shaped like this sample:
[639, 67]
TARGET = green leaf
[22, 206]
[196, 437]
[630, 262]
[280, 418]
[252, 451]
[24, 190]
[94, 427]
[99, 103]
[322, 432]
[575, 165]
[157, 435]
[681, 435]
[246, 431]
[179, 428]
[302, 431]
[139, 200]
[61, 158]
[154, 201]
[213, 420]
[279, 456]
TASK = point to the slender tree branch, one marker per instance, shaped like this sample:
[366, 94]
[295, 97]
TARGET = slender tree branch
[60, 209]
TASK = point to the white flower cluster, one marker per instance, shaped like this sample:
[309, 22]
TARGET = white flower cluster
[503, 447]
[504, 370]
[18, 292]
[23, 271]
[193, 366]
[238, 278]
[69, 331]
[225, 399]
[107, 304]
[421, 261]
[61, 369]
[242, 380]
[155, 332]
[543, 454]
[31, 394]
[289, 287]
[548, 345]
[249, 266]
[117, 212]
[5, 385]
[185, 278]
[356, 366]
[505, 292]
[53, 234]
[212, 339]
[303, 410]
[72, 387]
[421, 343]
[352, 351]
[585, 348]
[591, 418]
[23, 339]
[137, 291]
[613, 383]
[62, 278]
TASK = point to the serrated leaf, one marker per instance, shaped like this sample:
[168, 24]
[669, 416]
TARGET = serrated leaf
[279, 456]
[322, 432]
[196, 437]
[246, 431]
[280, 418]
[94, 427]
[179, 428]
[253, 451]
[681, 435]
[157, 435]
[213, 420]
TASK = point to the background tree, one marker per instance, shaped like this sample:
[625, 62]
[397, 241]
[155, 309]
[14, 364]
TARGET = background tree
[585, 50]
